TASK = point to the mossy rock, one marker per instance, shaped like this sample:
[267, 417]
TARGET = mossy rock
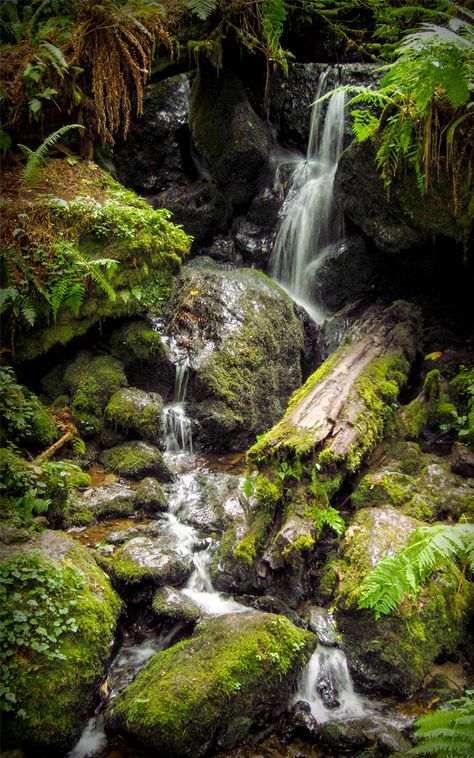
[136, 460]
[101, 219]
[25, 420]
[144, 563]
[245, 343]
[150, 496]
[144, 355]
[67, 611]
[172, 605]
[96, 503]
[210, 690]
[393, 654]
[137, 414]
[91, 382]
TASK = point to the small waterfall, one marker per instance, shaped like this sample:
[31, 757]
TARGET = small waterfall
[326, 685]
[178, 426]
[311, 217]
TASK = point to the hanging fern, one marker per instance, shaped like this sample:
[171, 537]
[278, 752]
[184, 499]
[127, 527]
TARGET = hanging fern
[202, 8]
[447, 732]
[36, 159]
[430, 548]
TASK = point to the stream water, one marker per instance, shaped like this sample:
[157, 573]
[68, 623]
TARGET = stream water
[311, 219]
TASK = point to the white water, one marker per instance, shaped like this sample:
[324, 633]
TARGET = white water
[326, 684]
[311, 217]
[178, 427]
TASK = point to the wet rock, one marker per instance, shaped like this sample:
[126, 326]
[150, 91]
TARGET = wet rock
[272, 604]
[254, 233]
[150, 496]
[223, 250]
[10, 535]
[368, 732]
[171, 604]
[234, 673]
[136, 460]
[228, 134]
[322, 623]
[71, 581]
[137, 414]
[100, 503]
[298, 721]
[393, 654]
[462, 460]
[209, 502]
[150, 160]
[201, 208]
[144, 563]
[245, 344]
[144, 356]
[344, 272]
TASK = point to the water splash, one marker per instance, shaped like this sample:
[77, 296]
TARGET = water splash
[178, 426]
[311, 217]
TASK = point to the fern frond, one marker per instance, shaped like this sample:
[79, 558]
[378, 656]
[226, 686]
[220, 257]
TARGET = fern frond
[447, 732]
[365, 124]
[202, 8]
[56, 57]
[36, 159]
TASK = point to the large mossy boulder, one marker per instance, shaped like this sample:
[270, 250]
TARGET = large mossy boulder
[234, 674]
[136, 460]
[393, 654]
[227, 133]
[59, 614]
[144, 563]
[244, 342]
[100, 220]
[137, 414]
[144, 356]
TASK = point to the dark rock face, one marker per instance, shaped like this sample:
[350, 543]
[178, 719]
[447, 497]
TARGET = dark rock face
[201, 208]
[151, 159]
[462, 460]
[357, 734]
[227, 133]
[298, 721]
[346, 272]
[254, 234]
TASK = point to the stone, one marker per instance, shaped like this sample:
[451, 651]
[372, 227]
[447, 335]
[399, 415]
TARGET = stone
[227, 133]
[71, 581]
[151, 158]
[144, 563]
[150, 496]
[298, 721]
[357, 734]
[144, 356]
[210, 690]
[200, 207]
[462, 460]
[344, 272]
[98, 503]
[137, 460]
[173, 605]
[137, 414]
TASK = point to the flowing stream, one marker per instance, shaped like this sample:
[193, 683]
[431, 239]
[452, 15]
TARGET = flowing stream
[312, 221]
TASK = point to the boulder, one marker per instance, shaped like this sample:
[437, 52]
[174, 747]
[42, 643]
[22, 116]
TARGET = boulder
[254, 233]
[201, 208]
[298, 722]
[63, 612]
[210, 502]
[357, 734]
[137, 414]
[233, 674]
[97, 503]
[393, 654]
[227, 133]
[172, 605]
[136, 460]
[144, 356]
[150, 496]
[344, 272]
[150, 159]
[462, 460]
[144, 563]
[244, 342]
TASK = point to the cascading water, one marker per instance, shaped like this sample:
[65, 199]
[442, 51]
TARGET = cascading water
[326, 684]
[311, 217]
[178, 427]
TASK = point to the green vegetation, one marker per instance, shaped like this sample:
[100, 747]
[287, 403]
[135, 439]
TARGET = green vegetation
[448, 731]
[136, 460]
[137, 413]
[428, 549]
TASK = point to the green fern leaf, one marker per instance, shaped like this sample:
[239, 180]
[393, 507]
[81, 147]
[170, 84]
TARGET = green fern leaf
[365, 124]
[36, 159]
[202, 8]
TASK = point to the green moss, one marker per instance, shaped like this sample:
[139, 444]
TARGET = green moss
[268, 491]
[412, 419]
[137, 342]
[384, 487]
[58, 575]
[302, 544]
[137, 412]
[136, 460]
[232, 668]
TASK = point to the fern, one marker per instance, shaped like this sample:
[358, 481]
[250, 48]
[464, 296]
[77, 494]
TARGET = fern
[328, 517]
[202, 8]
[365, 124]
[447, 732]
[36, 159]
[429, 549]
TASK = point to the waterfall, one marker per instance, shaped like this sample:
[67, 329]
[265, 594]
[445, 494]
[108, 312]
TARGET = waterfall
[326, 684]
[311, 217]
[178, 426]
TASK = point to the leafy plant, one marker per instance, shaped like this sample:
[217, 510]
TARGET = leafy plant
[202, 8]
[328, 516]
[288, 470]
[430, 548]
[37, 158]
[447, 732]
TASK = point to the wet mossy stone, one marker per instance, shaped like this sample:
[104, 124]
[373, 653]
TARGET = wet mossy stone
[393, 654]
[143, 354]
[227, 133]
[67, 612]
[91, 382]
[98, 503]
[245, 343]
[171, 604]
[136, 460]
[149, 562]
[210, 690]
[137, 414]
[150, 496]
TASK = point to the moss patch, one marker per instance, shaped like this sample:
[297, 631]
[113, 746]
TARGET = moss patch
[137, 413]
[137, 460]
